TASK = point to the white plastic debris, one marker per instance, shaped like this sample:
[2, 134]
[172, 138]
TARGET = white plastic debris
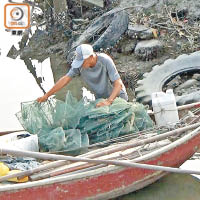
[87, 94]
[165, 109]
[20, 141]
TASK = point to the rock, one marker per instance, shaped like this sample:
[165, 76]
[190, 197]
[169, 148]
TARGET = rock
[187, 84]
[140, 32]
[196, 77]
[188, 98]
[149, 49]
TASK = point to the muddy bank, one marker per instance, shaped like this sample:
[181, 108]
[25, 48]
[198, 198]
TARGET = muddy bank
[136, 34]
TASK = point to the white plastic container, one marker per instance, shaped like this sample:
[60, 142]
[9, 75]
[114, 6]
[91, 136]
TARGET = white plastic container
[17, 141]
[165, 109]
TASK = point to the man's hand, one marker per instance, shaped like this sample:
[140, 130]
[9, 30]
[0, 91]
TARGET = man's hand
[116, 91]
[104, 103]
[59, 85]
[42, 99]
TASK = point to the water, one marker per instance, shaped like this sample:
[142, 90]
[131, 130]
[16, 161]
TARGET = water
[16, 85]
[171, 187]
[16, 82]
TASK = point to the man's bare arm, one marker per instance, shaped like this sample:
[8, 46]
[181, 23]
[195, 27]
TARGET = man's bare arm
[116, 90]
[58, 86]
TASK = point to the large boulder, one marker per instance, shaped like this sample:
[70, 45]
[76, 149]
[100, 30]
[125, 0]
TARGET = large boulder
[148, 49]
[140, 32]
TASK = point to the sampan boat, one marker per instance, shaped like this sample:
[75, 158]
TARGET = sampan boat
[82, 180]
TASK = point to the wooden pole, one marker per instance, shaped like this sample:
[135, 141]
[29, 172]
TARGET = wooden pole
[94, 155]
[108, 162]
[8, 132]
[83, 166]
[148, 140]
[189, 106]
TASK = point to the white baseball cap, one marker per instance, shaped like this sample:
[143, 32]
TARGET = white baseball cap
[83, 52]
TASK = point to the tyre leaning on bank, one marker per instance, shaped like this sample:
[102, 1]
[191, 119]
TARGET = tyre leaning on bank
[162, 74]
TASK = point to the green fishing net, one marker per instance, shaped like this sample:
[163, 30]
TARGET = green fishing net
[70, 125]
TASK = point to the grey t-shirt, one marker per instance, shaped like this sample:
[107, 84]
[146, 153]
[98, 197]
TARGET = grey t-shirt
[100, 78]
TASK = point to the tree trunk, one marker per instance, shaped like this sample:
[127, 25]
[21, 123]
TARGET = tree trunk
[60, 68]
[58, 64]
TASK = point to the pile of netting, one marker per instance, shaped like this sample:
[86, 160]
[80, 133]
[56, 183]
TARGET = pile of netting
[70, 125]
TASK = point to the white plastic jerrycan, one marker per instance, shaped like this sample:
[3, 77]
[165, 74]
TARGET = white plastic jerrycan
[165, 109]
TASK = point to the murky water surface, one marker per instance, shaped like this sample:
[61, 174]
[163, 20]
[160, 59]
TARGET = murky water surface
[171, 187]
[17, 84]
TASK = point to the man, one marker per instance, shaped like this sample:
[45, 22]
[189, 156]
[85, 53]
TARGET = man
[99, 73]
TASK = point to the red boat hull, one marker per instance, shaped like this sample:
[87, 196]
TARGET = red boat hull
[107, 184]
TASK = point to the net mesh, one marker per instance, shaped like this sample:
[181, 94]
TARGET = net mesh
[70, 125]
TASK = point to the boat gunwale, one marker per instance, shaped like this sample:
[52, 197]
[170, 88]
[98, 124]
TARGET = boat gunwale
[105, 170]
